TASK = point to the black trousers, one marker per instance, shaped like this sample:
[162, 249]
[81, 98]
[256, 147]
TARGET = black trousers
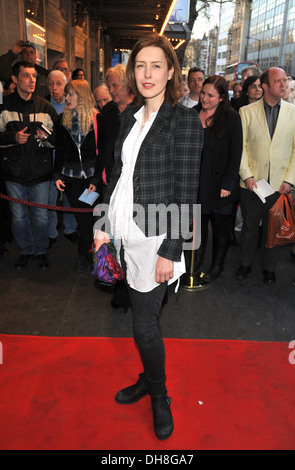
[85, 220]
[146, 308]
[255, 211]
[221, 225]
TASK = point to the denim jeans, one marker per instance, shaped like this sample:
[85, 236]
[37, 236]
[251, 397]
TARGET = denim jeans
[30, 233]
[69, 221]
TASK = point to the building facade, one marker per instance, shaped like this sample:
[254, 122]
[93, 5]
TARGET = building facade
[226, 16]
[58, 29]
[272, 34]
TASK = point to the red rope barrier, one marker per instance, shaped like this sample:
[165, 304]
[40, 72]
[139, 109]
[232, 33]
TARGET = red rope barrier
[45, 206]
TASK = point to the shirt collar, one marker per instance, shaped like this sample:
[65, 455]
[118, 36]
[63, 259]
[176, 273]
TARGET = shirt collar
[138, 115]
[266, 105]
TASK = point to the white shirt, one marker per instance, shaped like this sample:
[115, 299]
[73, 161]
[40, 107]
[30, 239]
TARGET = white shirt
[140, 252]
[188, 102]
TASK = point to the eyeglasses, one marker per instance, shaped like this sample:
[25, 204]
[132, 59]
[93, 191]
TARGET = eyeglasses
[62, 69]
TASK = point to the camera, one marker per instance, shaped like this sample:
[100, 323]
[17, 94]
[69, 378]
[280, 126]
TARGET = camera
[25, 44]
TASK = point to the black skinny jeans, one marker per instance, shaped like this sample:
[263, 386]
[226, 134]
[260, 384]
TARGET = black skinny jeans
[146, 307]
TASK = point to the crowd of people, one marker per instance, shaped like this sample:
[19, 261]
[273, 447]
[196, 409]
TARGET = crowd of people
[78, 154]
[143, 137]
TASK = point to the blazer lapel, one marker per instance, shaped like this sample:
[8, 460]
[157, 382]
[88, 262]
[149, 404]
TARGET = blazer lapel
[281, 122]
[157, 127]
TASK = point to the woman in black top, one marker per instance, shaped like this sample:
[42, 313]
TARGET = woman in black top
[219, 178]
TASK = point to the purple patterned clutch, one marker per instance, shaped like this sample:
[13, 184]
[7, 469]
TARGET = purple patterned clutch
[106, 268]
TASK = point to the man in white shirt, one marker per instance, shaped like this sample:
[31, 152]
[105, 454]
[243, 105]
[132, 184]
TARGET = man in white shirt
[195, 80]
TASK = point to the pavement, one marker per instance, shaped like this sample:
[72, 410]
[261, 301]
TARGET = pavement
[60, 302]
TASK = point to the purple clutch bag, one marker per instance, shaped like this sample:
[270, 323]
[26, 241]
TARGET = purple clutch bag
[106, 268]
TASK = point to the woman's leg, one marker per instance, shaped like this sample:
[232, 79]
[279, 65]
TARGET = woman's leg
[148, 335]
[74, 188]
[221, 231]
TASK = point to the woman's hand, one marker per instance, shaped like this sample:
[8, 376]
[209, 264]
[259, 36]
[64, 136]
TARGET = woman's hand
[224, 193]
[164, 270]
[60, 185]
[91, 188]
[100, 238]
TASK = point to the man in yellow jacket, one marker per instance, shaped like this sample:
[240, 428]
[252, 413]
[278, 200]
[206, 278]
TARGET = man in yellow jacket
[269, 153]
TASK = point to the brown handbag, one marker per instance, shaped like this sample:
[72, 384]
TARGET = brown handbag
[281, 222]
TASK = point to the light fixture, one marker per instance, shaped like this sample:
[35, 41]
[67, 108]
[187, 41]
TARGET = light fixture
[179, 44]
[35, 24]
[168, 16]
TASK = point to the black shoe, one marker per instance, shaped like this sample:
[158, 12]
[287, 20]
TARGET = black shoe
[213, 273]
[51, 242]
[42, 261]
[269, 277]
[116, 306]
[134, 393]
[162, 416]
[82, 264]
[73, 237]
[243, 272]
[22, 262]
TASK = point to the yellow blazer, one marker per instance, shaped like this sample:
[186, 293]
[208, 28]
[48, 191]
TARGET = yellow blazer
[262, 156]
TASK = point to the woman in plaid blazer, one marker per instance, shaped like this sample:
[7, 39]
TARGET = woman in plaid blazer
[157, 161]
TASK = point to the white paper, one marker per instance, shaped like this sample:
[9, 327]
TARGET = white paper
[263, 189]
[88, 198]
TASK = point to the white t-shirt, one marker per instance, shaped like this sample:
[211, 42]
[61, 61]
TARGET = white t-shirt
[188, 102]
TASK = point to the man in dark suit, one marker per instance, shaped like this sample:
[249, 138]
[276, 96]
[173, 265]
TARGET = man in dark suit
[110, 117]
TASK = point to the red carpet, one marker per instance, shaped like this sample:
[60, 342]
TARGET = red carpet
[58, 393]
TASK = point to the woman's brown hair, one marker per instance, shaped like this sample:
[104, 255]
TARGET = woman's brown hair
[218, 123]
[173, 88]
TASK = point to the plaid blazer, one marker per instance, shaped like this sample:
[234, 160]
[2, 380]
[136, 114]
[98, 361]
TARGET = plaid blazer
[167, 167]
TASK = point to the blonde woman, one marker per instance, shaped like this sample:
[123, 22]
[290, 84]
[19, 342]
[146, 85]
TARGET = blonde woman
[75, 159]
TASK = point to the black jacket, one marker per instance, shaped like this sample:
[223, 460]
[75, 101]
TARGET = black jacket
[227, 153]
[29, 163]
[166, 170]
[67, 153]
[108, 131]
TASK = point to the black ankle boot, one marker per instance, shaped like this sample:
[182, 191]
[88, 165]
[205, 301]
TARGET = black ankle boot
[220, 248]
[134, 393]
[213, 273]
[162, 416]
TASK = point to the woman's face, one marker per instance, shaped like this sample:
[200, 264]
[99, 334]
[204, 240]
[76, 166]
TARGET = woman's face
[72, 99]
[209, 97]
[255, 91]
[151, 73]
